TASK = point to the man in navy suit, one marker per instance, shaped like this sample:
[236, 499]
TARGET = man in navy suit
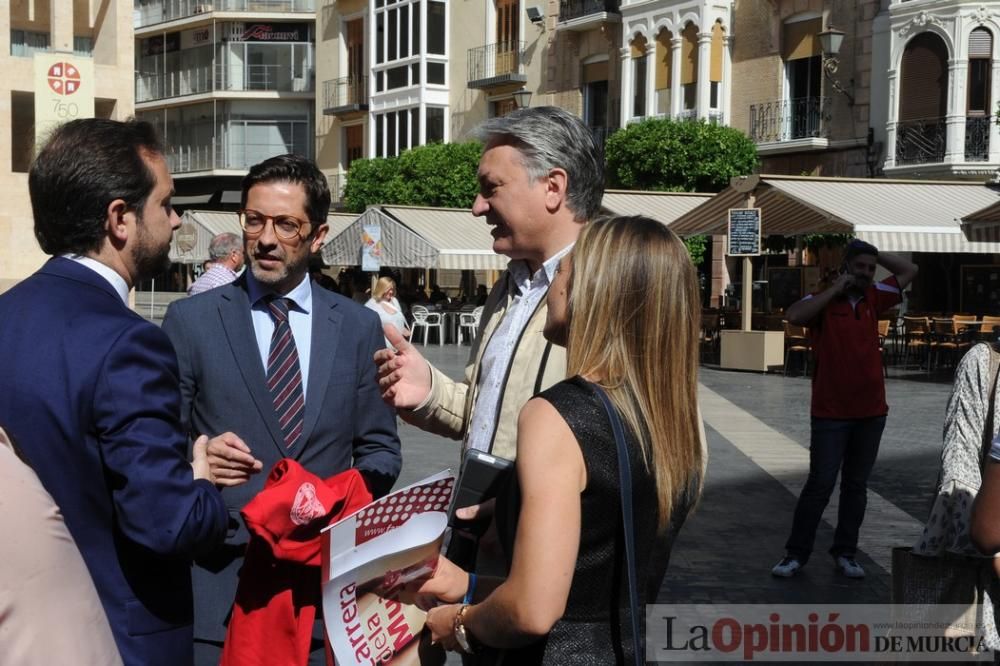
[285, 363]
[92, 388]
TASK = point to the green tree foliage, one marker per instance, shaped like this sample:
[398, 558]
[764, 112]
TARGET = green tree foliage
[678, 156]
[666, 155]
[438, 174]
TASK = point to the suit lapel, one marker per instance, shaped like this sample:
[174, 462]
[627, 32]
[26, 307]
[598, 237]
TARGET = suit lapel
[326, 323]
[234, 311]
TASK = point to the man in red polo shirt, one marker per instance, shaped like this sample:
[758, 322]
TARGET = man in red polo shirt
[848, 400]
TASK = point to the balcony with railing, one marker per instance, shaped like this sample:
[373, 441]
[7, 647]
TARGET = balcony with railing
[151, 12]
[582, 15]
[805, 120]
[345, 96]
[232, 155]
[921, 141]
[496, 64]
[228, 78]
[977, 138]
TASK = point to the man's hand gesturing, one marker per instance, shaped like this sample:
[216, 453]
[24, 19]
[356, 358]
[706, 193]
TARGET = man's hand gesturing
[403, 375]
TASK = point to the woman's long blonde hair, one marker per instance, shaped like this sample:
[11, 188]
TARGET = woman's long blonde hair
[382, 285]
[633, 323]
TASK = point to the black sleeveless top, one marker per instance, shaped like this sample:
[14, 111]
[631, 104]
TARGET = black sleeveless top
[595, 628]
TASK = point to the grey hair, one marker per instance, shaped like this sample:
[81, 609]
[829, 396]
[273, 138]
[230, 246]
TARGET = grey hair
[222, 245]
[548, 138]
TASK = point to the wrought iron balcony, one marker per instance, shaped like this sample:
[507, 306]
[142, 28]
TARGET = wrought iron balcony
[345, 95]
[921, 141]
[790, 119]
[570, 10]
[977, 138]
[496, 64]
[336, 182]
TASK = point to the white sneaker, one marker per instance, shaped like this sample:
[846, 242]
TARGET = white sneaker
[850, 567]
[787, 567]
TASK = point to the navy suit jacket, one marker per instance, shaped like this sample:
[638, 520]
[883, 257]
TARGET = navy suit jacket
[92, 399]
[223, 388]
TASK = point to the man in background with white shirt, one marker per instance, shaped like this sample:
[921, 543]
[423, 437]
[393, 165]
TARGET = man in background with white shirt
[225, 254]
[92, 393]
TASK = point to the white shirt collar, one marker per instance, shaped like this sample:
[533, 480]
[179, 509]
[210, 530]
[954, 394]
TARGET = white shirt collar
[300, 296]
[522, 276]
[116, 281]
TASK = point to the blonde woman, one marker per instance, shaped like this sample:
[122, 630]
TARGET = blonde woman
[383, 301]
[625, 305]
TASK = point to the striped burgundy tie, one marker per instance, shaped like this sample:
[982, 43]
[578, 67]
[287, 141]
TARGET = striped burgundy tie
[284, 377]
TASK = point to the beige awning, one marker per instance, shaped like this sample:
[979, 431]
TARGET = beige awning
[462, 241]
[198, 227]
[401, 247]
[894, 215]
[663, 206]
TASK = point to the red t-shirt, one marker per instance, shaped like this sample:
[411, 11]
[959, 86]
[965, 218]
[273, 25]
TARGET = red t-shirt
[848, 381]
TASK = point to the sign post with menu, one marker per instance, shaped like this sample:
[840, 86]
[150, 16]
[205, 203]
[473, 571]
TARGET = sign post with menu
[744, 241]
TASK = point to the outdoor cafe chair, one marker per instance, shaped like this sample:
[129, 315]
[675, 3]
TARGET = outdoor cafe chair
[426, 320]
[468, 323]
[916, 338]
[796, 342]
[948, 338]
[989, 329]
[708, 340]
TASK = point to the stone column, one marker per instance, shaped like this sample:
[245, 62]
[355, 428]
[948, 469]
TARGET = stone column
[994, 128]
[892, 116]
[676, 92]
[704, 86]
[651, 79]
[626, 85]
[60, 25]
[958, 73]
[726, 92]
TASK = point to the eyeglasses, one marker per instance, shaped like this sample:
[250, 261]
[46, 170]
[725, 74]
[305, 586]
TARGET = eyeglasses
[286, 227]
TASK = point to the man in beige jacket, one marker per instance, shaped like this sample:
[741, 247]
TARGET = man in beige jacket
[541, 178]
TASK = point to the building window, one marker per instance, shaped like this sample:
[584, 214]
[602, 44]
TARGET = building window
[436, 27]
[980, 57]
[396, 131]
[639, 77]
[803, 74]
[435, 124]
[689, 66]
[923, 103]
[23, 43]
[595, 94]
[715, 64]
[664, 70]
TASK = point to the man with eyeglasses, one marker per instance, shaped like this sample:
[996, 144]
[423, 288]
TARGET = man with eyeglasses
[284, 363]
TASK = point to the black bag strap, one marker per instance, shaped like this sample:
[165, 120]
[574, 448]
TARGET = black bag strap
[625, 479]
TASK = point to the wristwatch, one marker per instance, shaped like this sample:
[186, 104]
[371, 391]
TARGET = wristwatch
[463, 637]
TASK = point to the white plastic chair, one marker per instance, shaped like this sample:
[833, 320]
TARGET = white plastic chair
[468, 322]
[425, 319]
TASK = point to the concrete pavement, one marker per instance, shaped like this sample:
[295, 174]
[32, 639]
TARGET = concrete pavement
[758, 432]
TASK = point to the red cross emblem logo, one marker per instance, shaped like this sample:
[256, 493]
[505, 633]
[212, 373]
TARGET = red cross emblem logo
[64, 78]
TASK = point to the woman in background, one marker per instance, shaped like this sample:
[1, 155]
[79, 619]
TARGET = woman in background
[625, 303]
[383, 301]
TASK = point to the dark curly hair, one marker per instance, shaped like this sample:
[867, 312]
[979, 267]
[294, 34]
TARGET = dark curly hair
[85, 165]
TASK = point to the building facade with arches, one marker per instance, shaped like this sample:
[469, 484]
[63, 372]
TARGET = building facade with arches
[939, 100]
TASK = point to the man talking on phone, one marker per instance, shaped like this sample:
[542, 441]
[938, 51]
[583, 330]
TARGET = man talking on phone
[848, 400]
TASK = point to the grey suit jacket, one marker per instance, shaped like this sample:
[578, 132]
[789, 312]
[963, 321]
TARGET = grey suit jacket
[223, 389]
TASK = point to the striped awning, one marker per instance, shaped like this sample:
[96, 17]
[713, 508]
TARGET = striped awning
[895, 215]
[663, 206]
[189, 244]
[401, 247]
[463, 241]
[420, 237]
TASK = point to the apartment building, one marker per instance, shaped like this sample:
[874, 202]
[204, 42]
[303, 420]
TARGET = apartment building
[228, 83]
[935, 106]
[84, 68]
[402, 73]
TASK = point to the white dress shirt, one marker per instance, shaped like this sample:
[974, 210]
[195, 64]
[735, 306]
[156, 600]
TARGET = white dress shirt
[528, 290]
